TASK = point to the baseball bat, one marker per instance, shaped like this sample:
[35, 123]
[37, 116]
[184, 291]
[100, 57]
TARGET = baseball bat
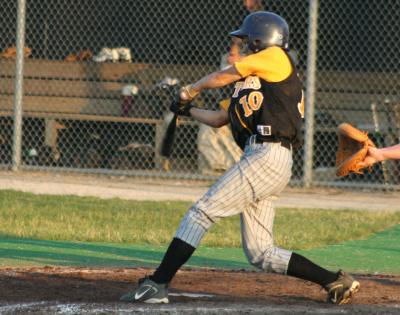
[169, 137]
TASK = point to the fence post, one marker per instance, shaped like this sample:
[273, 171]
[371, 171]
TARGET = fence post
[310, 92]
[18, 91]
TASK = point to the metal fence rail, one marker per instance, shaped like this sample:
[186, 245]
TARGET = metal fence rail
[86, 85]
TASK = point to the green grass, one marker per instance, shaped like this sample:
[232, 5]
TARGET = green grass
[25, 252]
[305, 229]
[86, 219]
[379, 253]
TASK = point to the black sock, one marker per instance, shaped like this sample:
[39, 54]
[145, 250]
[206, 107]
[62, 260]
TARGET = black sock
[301, 267]
[177, 254]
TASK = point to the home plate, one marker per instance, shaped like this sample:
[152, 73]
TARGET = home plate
[192, 295]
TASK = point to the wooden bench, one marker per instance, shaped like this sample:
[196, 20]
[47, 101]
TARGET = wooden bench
[355, 96]
[58, 91]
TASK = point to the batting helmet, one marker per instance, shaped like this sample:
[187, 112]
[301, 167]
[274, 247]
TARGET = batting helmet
[263, 29]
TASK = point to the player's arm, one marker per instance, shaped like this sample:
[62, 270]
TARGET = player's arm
[376, 155]
[212, 81]
[272, 65]
[212, 118]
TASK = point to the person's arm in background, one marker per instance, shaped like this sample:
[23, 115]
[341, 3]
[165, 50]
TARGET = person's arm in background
[376, 155]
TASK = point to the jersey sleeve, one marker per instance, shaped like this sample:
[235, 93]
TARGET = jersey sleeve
[271, 64]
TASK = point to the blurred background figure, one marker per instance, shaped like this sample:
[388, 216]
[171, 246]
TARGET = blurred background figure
[217, 149]
[234, 52]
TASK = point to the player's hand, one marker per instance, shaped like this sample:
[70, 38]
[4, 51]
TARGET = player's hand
[374, 156]
[187, 93]
[179, 107]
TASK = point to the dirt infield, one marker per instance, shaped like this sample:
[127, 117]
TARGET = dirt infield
[65, 290]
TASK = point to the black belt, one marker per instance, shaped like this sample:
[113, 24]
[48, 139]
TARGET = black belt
[262, 139]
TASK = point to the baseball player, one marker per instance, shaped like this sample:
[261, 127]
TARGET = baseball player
[265, 114]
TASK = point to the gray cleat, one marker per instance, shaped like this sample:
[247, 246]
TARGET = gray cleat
[342, 289]
[148, 292]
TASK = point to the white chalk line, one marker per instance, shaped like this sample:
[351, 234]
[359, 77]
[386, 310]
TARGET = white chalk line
[118, 308]
[19, 306]
[192, 295]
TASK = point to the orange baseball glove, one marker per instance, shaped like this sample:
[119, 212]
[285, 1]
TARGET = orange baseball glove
[352, 150]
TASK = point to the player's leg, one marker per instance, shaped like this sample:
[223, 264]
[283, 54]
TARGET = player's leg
[340, 286]
[262, 172]
[257, 225]
[226, 192]
[257, 220]
[232, 193]
[257, 238]
[227, 197]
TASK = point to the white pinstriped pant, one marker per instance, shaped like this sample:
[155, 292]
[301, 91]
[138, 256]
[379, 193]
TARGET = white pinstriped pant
[249, 188]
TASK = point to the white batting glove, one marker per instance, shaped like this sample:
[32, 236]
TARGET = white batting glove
[187, 93]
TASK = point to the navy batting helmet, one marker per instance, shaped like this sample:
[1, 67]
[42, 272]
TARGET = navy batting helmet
[263, 29]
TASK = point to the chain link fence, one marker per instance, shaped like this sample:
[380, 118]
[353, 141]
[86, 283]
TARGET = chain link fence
[357, 82]
[98, 77]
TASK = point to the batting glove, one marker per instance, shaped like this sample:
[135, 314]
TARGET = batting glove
[187, 93]
[181, 108]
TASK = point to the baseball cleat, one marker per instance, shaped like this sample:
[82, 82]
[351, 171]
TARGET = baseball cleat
[342, 290]
[148, 292]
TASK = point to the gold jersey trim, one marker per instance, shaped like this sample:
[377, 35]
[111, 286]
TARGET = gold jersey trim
[240, 120]
[224, 104]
